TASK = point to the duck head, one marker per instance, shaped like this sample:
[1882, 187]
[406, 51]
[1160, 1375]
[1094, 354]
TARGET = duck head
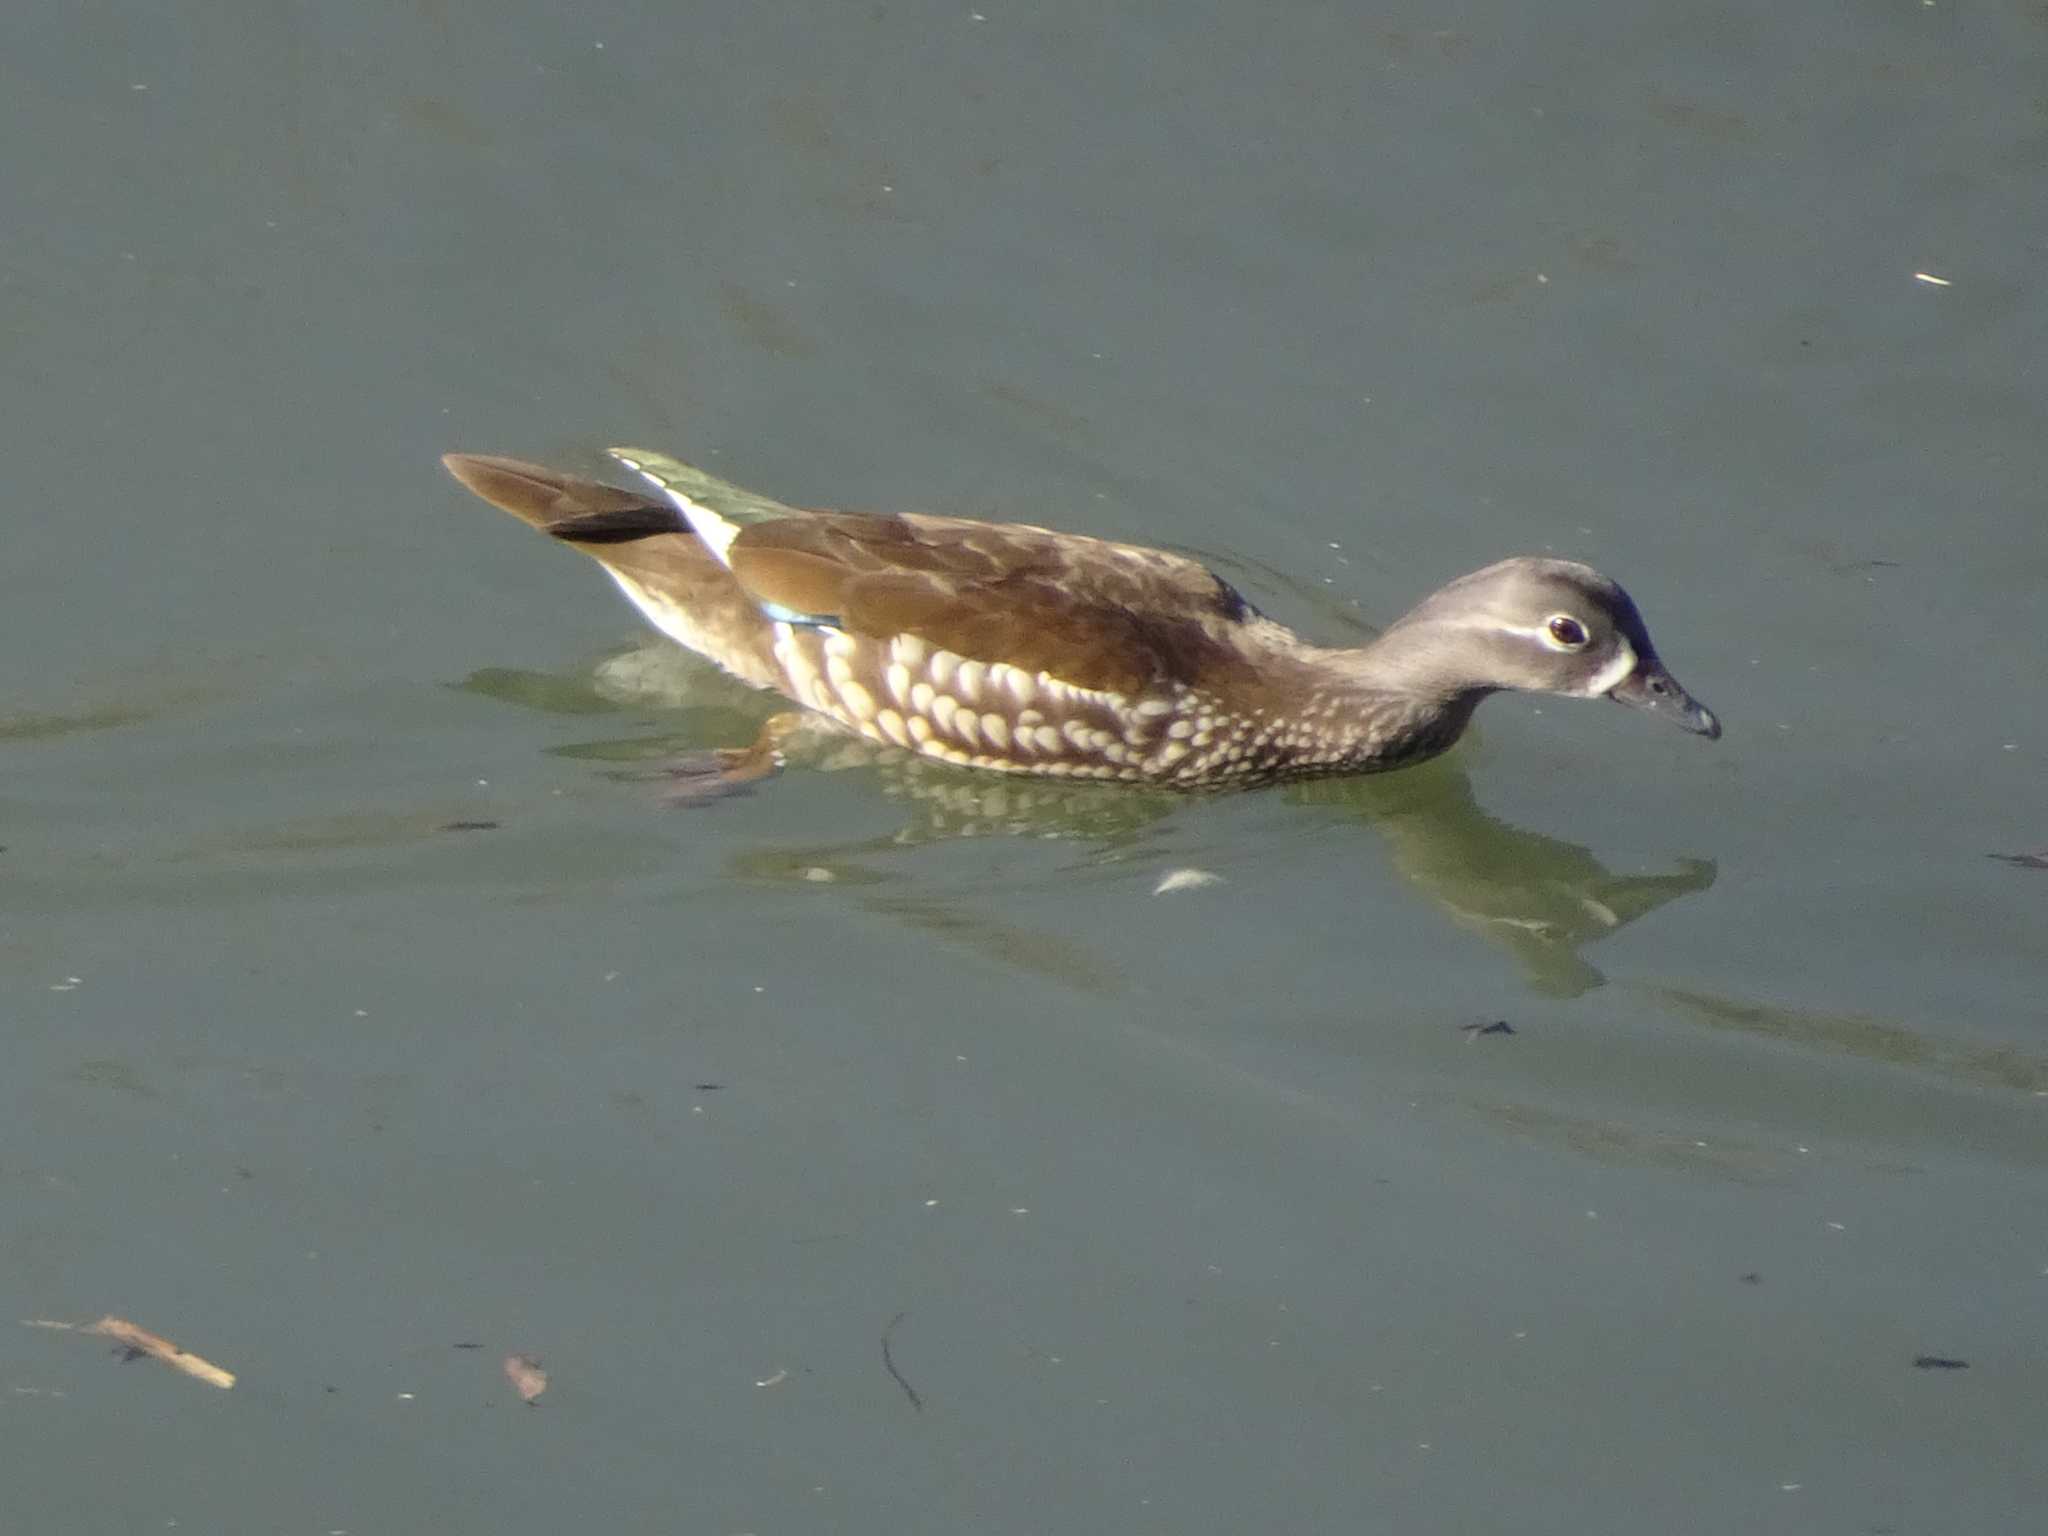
[1541, 626]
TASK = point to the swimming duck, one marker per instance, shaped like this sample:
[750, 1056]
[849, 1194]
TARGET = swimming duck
[1022, 649]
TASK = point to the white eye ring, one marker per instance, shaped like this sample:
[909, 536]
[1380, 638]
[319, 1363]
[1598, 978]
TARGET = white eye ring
[1562, 632]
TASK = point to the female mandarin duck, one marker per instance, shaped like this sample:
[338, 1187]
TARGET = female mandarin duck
[1021, 649]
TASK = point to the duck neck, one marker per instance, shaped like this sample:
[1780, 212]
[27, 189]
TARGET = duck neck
[1404, 696]
[1420, 657]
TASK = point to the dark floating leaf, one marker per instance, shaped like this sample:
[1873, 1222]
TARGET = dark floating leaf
[1752, 1278]
[470, 826]
[707, 1087]
[1497, 1027]
[2021, 860]
[1939, 1363]
[466, 1344]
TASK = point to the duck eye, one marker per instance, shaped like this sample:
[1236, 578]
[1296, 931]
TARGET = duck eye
[1567, 631]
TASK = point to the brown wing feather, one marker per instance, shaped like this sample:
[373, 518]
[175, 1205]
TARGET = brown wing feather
[1092, 613]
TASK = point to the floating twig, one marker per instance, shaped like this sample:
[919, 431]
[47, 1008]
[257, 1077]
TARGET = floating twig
[138, 1341]
[889, 1364]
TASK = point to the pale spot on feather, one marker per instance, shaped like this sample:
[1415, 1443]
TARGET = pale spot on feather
[898, 679]
[967, 682]
[920, 729]
[966, 725]
[892, 727]
[921, 698]
[1047, 738]
[943, 666]
[909, 650]
[858, 701]
[1021, 684]
[943, 708]
[995, 727]
[797, 667]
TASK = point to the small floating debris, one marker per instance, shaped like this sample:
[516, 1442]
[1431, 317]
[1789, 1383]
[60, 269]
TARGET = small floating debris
[526, 1376]
[2017, 860]
[1939, 1363]
[889, 1364]
[773, 1381]
[470, 826]
[136, 1341]
[1497, 1027]
[1185, 880]
[1931, 280]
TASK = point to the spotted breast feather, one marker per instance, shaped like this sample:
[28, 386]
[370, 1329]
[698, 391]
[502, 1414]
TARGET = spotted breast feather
[995, 646]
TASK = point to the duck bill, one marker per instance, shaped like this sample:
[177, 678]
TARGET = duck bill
[1655, 691]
